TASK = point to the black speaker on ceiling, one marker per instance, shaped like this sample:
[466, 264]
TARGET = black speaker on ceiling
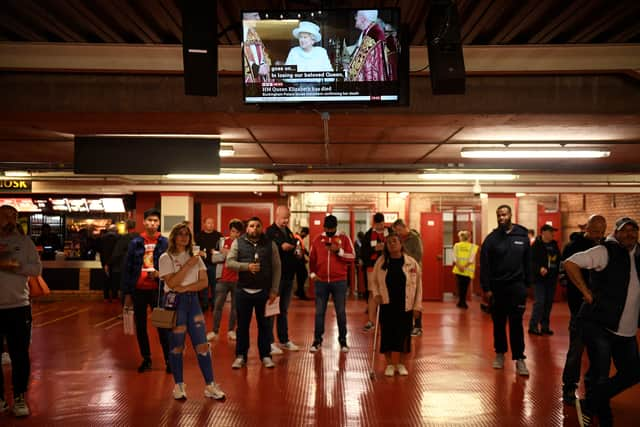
[200, 47]
[446, 62]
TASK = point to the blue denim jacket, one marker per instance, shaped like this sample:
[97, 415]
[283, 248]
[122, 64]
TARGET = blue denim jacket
[133, 265]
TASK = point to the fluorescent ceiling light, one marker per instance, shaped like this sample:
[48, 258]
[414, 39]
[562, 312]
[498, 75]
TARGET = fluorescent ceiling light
[227, 151]
[458, 176]
[17, 173]
[534, 153]
[219, 177]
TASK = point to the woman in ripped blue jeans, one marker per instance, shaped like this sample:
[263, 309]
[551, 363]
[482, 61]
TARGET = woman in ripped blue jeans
[184, 274]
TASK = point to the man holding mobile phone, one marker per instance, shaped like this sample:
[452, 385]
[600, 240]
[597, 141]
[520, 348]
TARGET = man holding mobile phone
[140, 284]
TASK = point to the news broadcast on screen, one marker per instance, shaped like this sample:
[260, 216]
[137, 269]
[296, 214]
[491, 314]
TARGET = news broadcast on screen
[345, 55]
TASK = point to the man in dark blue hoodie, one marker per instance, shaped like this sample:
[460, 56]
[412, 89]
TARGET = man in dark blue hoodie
[505, 274]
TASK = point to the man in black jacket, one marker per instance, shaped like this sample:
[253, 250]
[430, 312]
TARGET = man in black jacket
[545, 255]
[609, 318]
[593, 234]
[505, 263]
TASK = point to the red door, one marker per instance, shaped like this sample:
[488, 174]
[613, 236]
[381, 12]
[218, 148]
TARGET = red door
[316, 224]
[431, 231]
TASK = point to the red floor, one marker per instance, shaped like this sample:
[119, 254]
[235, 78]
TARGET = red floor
[84, 373]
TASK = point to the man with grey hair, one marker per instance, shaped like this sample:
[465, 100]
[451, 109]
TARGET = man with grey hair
[18, 260]
[369, 61]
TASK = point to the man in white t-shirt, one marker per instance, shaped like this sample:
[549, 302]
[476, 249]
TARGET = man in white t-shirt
[610, 316]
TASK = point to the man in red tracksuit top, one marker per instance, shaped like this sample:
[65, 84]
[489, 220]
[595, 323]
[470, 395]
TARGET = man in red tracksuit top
[329, 258]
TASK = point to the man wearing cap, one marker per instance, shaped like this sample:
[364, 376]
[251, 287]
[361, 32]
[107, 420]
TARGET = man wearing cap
[330, 255]
[18, 260]
[545, 257]
[369, 61]
[609, 317]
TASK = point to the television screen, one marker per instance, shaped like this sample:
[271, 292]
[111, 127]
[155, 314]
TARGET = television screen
[339, 55]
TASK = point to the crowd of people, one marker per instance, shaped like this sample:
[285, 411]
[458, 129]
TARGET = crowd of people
[255, 267]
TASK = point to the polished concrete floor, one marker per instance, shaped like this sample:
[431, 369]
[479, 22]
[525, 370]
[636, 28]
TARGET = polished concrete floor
[84, 374]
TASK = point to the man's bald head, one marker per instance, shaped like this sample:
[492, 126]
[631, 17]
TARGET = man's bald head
[282, 216]
[596, 228]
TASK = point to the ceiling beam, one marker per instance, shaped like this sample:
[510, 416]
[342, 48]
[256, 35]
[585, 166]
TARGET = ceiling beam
[614, 15]
[65, 57]
[162, 17]
[87, 16]
[128, 22]
[529, 13]
[575, 11]
[13, 24]
[626, 34]
[52, 24]
[470, 23]
[488, 20]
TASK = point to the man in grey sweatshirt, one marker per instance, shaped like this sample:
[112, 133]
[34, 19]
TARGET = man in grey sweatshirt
[18, 260]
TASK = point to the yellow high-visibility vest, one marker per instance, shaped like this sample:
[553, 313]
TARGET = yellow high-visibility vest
[465, 252]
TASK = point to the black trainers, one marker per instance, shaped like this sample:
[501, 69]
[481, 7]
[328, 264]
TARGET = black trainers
[144, 366]
[534, 331]
[569, 396]
[585, 417]
[167, 368]
[546, 331]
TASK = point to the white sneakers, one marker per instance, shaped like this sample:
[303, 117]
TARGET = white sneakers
[498, 362]
[275, 349]
[390, 370]
[238, 363]
[212, 336]
[402, 370]
[344, 348]
[20, 407]
[290, 346]
[521, 368]
[179, 391]
[267, 362]
[6, 359]
[231, 335]
[214, 391]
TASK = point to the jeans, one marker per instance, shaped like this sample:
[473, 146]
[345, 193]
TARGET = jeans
[222, 289]
[112, 284]
[143, 298]
[602, 346]
[509, 304]
[15, 325]
[211, 280]
[339, 292]
[544, 293]
[189, 318]
[571, 371]
[282, 325]
[245, 304]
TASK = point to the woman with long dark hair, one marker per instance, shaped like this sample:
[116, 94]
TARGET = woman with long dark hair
[397, 287]
[185, 274]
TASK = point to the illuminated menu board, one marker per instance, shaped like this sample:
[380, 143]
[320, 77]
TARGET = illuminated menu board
[107, 205]
[22, 205]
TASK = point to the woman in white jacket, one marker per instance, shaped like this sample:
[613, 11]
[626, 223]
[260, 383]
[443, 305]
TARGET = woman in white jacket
[397, 287]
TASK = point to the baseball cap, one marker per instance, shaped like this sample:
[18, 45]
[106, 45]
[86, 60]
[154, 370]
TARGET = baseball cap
[621, 222]
[548, 227]
[330, 221]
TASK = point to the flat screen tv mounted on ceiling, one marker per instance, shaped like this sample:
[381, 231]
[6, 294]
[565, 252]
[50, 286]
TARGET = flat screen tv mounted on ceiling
[335, 56]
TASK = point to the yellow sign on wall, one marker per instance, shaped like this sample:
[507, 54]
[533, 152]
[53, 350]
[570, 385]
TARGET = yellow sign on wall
[15, 185]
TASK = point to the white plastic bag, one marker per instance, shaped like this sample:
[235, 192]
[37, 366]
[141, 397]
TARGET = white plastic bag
[128, 322]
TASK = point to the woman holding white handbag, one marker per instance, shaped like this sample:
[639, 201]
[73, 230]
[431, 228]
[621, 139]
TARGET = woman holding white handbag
[184, 275]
